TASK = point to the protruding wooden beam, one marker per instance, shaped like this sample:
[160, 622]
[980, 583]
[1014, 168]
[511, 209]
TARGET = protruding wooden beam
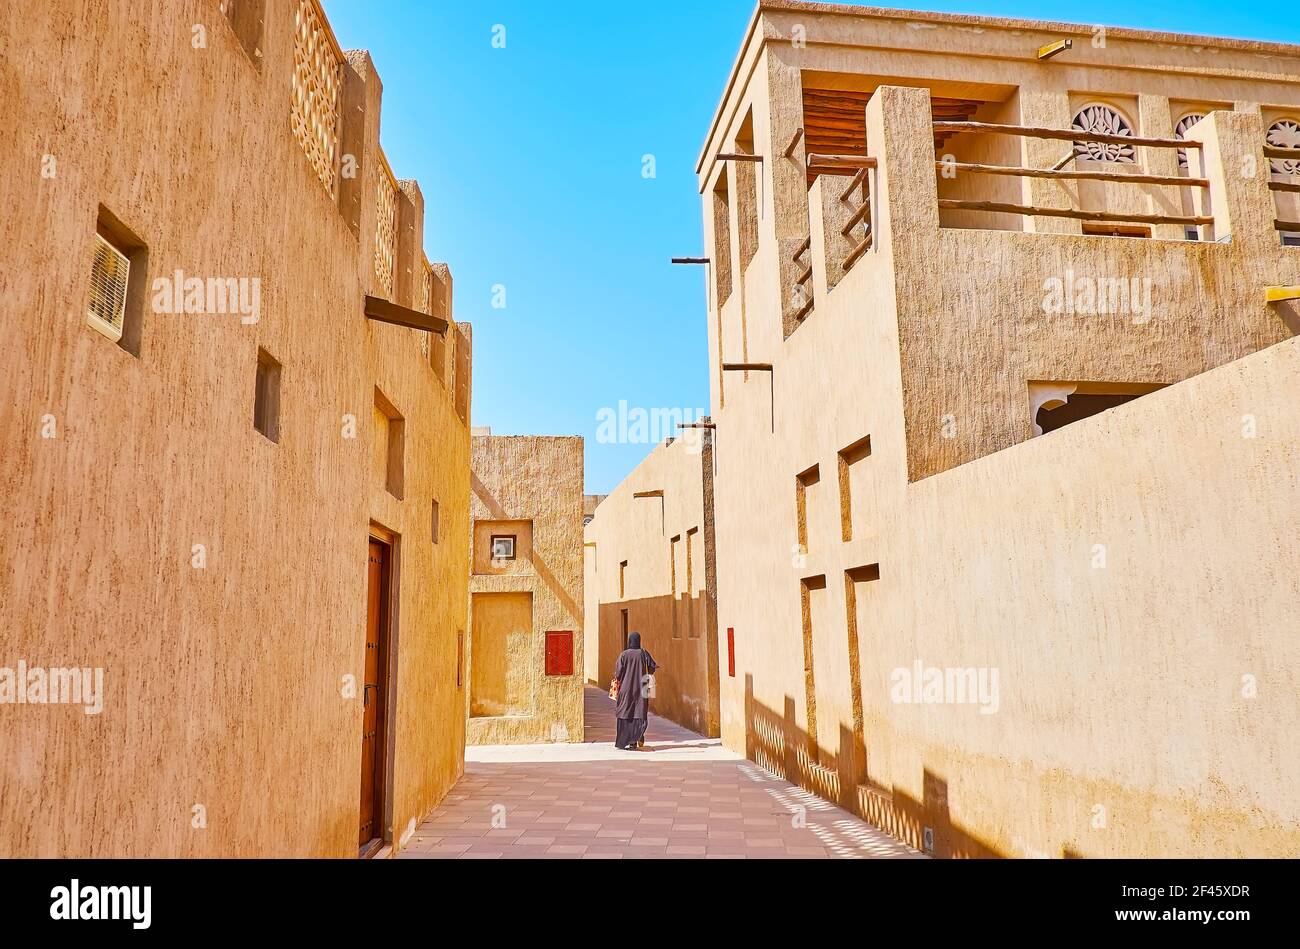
[1070, 135]
[840, 163]
[858, 179]
[1281, 294]
[691, 260]
[385, 311]
[737, 156]
[1055, 49]
[1172, 180]
[709, 425]
[758, 367]
[794, 142]
[856, 218]
[1065, 161]
[649, 494]
[863, 246]
[947, 204]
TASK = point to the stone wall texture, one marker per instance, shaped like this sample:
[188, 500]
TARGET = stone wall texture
[665, 537]
[1130, 578]
[225, 685]
[530, 488]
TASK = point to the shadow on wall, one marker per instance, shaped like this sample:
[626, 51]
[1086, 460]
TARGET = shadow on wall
[777, 744]
[539, 565]
[682, 685]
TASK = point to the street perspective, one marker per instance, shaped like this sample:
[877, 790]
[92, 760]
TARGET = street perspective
[857, 437]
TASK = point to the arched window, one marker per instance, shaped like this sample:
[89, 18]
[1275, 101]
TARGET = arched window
[1285, 133]
[1104, 120]
[1180, 132]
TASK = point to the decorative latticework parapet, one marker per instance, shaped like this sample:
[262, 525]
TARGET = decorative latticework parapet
[425, 301]
[442, 345]
[385, 229]
[464, 361]
[426, 287]
[317, 85]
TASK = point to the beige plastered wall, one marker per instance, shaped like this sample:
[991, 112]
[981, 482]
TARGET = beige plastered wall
[667, 600]
[529, 486]
[1126, 723]
[227, 727]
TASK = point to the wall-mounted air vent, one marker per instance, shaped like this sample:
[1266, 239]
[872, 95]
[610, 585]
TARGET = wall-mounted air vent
[108, 278]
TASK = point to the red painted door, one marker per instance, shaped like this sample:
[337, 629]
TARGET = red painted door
[373, 695]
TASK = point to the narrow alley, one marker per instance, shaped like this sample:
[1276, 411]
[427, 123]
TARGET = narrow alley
[685, 796]
[898, 403]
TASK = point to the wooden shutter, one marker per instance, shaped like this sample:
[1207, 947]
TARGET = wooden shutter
[559, 653]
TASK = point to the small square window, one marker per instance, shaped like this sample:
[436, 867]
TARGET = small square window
[503, 546]
[115, 307]
[389, 446]
[1291, 240]
[246, 18]
[266, 398]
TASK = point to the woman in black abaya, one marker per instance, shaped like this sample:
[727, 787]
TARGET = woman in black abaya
[631, 670]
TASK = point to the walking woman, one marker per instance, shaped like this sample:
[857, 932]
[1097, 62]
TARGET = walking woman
[631, 694]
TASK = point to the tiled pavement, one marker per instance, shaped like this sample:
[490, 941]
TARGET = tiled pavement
[684, 797]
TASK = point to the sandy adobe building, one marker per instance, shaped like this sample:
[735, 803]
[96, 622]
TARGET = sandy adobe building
[589, 504]
[650, 569]
[238, 493]
[1001, 321]
[526, 619]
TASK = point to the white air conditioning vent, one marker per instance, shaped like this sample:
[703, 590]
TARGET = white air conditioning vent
[108, 277]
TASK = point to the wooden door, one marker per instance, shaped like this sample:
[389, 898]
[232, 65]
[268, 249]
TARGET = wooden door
[374, 697]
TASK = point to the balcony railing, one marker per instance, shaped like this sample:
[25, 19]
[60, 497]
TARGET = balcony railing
[856, 199]
[889, 201]
[1064, 174]
[803, 283]
[1292, 158]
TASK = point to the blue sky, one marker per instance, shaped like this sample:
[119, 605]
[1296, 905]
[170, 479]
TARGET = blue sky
[530, 159]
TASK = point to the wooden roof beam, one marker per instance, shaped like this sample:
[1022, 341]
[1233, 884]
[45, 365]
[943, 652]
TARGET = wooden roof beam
[385, 311]
[1055, 49]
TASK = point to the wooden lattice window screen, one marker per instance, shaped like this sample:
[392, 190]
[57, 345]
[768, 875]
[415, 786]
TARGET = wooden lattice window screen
[426, 289]
[317, 80]
[385, 230]
[426, 303]
[1104, 120]
[1285, 133]
[1180, 133]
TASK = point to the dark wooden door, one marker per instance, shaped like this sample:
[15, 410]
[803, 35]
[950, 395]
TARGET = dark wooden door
[374, 696]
